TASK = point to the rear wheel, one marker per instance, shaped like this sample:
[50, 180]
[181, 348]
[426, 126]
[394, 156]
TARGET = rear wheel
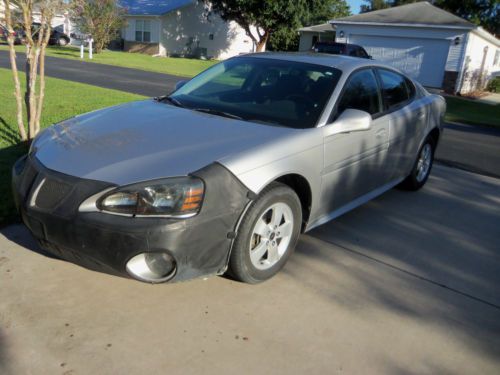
[62, 42]
[267, 235]
[422, 167]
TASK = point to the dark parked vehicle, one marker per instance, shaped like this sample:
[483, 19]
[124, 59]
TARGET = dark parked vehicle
[341, 49]
[57, 38]
[4, 32]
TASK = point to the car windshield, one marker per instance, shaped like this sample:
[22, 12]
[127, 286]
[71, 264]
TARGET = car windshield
[267, 90]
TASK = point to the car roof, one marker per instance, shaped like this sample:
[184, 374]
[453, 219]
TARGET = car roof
[341, 62]
[336, 44]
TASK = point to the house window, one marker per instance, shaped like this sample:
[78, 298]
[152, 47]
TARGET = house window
[142, 31]
[497, 58]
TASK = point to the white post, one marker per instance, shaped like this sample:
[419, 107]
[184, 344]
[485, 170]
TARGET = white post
[81, 50]
[90, 48]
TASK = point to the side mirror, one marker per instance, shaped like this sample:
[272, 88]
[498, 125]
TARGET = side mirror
[351, 120]
[179, 84]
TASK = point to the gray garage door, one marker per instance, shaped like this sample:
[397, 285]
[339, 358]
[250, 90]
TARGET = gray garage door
[422, 59]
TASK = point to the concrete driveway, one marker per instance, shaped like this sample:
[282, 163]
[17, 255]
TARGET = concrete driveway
[407, 284]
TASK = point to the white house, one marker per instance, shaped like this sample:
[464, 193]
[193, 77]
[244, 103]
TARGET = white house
[182, 28]
[317, 33]
[60, 21]
[431, 45]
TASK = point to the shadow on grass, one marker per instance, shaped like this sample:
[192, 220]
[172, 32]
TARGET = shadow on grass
[7, 134]
[63, 54]
[8, 156]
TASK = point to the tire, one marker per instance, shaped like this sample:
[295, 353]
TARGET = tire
[258, 257]
[62, 42]
[422, 167]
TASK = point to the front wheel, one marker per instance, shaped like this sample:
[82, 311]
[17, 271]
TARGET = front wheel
[422, 167]
[267, 235]
[62, 42]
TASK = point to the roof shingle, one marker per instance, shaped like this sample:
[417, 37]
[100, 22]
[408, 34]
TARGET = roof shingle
[421, 13]
[152, 7]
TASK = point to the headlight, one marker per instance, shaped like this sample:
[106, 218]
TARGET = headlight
[179, 197]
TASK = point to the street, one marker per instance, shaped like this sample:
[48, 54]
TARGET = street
[406, 284]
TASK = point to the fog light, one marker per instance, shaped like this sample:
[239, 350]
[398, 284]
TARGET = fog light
[152, 267]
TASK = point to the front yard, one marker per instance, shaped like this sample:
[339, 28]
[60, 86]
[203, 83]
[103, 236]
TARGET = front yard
[472, 112]
[63, 99]
[168, 65]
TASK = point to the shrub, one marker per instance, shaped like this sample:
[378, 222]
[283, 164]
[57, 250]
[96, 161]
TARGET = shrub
[494, 85]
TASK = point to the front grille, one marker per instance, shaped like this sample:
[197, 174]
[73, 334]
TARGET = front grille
[51, 193]
[29, 175]
[40, 189]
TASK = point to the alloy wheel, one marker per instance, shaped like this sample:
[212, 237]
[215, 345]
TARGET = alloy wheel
[271, 236]
[424, 162]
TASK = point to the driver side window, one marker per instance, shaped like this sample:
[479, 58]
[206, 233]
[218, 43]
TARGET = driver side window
[361, 92]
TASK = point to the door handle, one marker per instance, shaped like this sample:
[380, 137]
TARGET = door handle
[421, 115]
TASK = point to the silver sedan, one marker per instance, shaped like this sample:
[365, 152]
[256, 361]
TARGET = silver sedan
[223, 174]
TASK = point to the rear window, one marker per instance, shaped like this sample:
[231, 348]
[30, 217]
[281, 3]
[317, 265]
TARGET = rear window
[335, 49]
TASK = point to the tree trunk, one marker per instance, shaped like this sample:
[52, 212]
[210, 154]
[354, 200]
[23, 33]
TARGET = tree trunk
[32, 54]
[31, 78]
[15, 73]
[261, 44]
[43, 45]
[41, 96]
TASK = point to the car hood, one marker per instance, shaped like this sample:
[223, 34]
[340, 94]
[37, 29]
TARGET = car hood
[146, 140]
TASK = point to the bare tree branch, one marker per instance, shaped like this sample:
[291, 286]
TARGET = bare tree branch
[35, 38]
[15, 73]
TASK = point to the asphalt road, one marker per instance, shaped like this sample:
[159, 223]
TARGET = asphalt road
[406, 284]
[113, 77]
[471, 148]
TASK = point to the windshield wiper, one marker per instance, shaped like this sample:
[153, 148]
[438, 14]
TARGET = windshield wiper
[217, 113]
[265, 122]
[170, 100]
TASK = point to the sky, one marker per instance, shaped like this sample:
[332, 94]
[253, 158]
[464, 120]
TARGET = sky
[354, 4]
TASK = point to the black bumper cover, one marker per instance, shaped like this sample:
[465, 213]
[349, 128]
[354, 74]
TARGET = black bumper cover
[104, 242]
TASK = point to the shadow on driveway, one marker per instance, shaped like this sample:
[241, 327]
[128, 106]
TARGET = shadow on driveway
[408, 282]
[445, 236]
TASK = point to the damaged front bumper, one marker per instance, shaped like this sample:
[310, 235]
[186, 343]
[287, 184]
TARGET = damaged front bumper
[48, 202]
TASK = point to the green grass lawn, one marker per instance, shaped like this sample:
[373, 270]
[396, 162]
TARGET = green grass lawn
[472, 112]
[63, 99]
[169, 65]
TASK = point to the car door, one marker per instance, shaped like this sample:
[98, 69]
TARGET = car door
[407, 120]
[354, 163]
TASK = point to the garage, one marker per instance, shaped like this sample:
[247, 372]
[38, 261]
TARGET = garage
[436, 48]
[422, 59]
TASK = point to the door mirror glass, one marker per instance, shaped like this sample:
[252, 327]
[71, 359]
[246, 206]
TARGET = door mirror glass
[179, 84]
[351, 120]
